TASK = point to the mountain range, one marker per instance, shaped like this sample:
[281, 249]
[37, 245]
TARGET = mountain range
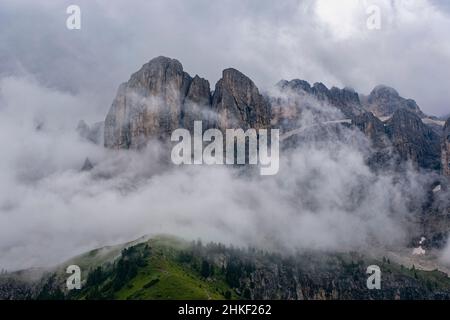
[162, 97]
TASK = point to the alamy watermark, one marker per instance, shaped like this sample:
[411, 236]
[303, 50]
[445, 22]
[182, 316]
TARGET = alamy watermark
[74, 280]
[235, 147]
[374, 280]
[73, 21]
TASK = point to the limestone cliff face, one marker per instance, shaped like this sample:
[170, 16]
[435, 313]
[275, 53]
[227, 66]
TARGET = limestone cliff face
[373, 128]
[161, 97]
[383, 101]
[157, 99]
[445, 149]
[346, 100]
[197, 104]
[413, 140]
[237, 103]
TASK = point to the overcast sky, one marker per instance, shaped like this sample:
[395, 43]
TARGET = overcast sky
[323, 40]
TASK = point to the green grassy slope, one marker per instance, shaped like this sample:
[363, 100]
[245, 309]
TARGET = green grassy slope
[151, 270]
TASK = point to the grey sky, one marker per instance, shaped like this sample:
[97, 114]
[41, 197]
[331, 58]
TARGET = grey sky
[319, 40]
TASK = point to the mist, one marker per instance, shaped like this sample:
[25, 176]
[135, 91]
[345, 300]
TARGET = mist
[324, 197]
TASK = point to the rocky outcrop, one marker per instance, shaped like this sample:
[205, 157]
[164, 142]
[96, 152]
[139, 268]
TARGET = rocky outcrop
[346, 100]
[237, 103]
[413, 140]
[197, 104]
[157, 99]
[445, 149]
[383, 101]
[373, 128]
[161, 97]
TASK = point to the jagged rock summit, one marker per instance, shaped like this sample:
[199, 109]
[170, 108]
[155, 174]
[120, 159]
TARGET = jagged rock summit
[155, 101]
[346, 100]
[238, 103]
[383, 101]
[161, 97]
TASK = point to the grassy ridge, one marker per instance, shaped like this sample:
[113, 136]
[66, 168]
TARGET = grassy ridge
[152, 270]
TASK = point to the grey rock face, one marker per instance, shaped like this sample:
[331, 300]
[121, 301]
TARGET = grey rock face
[346, 100]
[413, 140]
[161, 97]
[445, 149]
[197, 103]
[373, 128]
[238, 103]
[152, 104]
[383, 101]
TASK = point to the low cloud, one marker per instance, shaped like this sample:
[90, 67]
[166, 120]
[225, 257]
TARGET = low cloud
[325, 197]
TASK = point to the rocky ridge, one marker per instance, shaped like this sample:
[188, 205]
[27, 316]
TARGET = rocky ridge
[162, 97]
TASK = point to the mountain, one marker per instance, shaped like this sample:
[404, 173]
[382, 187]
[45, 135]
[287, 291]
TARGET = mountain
[346, 100]
[403, 131]
[414, 140]
[238, 103]
[161, 97]
[169, 268]
[383, 101]
[151, 103]
[446, 149]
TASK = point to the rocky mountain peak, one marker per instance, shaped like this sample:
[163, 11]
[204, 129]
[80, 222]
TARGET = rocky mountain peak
[383, 101]
[161, 97]
[383, 91]
[238, 103]
[152, 104]
[346, 100]
[296, 85]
